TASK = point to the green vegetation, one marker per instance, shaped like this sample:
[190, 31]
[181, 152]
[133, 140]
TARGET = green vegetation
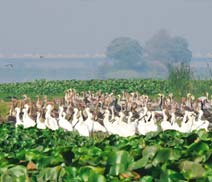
[57, 88]
[179, 79]
[39, 155]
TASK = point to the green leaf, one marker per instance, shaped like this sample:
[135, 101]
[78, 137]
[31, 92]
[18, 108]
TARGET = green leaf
[139, 163]
[192, 170]
[115, 170]
[46, 161]
[84, 173]
[162, 156]
[99, 170]
[71, 172]
[18, 171]
[146, 179]
[16, 174]
[51, 174]
[203, 135]
[87, 175]
[95, 177]
[119, 157]
[175, 154]
[149, 151]
[198, 148]
[171, 175]
[118, 162]
[32, 155]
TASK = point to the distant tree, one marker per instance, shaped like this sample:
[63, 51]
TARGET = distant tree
[126, 51]
[168, 49]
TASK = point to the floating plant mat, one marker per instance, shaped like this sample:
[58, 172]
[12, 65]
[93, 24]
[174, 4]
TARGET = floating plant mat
[44, 155]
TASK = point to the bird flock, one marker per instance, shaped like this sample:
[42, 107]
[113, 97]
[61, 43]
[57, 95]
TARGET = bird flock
[125, 115]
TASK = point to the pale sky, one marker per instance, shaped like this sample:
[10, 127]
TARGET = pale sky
[87, 26]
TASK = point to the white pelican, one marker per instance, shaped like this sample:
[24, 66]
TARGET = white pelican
[64, 123]
[50, 122]
[108, 125]
[165, 124]
[40, 125]
[187, 122]
[81, 127]
[142, 122]
[27, 121]
[151, 123]
[199, 123]
[124, 129]
[18, 120]
[174, 125]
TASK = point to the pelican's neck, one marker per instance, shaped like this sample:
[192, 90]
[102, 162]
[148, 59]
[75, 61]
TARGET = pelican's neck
[63, 115]
[113, 115]
[25, 113]
[89, 114]
[149, 115]
[38, 117]
[189, 118]
[117, 119]
[129, 118]
[143, 113]
[106, 117]
[60, 112]
[185, 117]
[165, 117]
[173, 119]
[80, 119]
[75, 115]
[200, 114]
[18, 116]
[48, 112]
[153, 120]
[121, 117]
[145, 110]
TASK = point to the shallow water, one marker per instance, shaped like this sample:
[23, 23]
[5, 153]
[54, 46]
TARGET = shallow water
[21, 70]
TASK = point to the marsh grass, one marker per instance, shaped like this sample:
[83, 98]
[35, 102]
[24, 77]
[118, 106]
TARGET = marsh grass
[180, 79]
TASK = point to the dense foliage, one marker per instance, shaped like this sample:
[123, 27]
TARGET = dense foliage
[39, 155]
[57, 88]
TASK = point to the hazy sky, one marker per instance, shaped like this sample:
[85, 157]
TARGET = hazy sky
[87, 26]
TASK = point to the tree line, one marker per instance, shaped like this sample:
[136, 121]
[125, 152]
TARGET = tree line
[160, 53]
